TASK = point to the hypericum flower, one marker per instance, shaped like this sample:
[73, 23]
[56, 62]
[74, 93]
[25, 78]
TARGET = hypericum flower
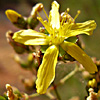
[59, 30]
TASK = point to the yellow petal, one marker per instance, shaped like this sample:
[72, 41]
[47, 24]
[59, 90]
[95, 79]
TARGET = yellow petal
[12, 15]
[82, 28]
[54, 17]
[46, 72]
[77, 53]
[30, 37]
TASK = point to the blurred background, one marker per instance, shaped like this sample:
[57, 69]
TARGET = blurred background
[10, 72]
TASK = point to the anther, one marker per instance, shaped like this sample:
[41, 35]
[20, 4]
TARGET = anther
[68, 10]
[78, 12]
[50, 42]
[70, 20]
[37, 8]
[45, 21]
[55, 37]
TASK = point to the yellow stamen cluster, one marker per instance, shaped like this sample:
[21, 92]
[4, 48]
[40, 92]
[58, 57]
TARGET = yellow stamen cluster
[66, 22]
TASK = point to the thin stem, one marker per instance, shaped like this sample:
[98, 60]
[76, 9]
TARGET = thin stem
[33, 95]
[57, 94]
[26, 96]
[54, 87]
[50, 96]
[69, 75]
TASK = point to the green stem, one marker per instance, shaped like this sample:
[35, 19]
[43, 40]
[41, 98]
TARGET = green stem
[57, 94]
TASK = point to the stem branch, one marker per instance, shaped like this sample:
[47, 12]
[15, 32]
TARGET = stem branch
[62, 81]
[33, 95]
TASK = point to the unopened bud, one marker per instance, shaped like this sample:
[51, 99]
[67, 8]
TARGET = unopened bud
[29, 83]
[32, 22]
[12, 15]
[10, 94]
[18, 47]
[32, 19]
[30, 57]
[92, 83]
[86, 75]
[92, 95]
[38, 7]
[16, 18]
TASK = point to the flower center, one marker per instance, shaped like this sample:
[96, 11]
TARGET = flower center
[55, 39]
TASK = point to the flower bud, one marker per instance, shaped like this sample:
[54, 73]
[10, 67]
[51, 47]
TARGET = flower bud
[92, 83]
[29, 83]
[10, 94]
[92, 95]
[37, 8]
[32, 19]
[30, 57]
[32, 22]
[18, 47]
[16, 18]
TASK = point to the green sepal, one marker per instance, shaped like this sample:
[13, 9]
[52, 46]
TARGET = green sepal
[61, 51]
[17, 92]
[68, 57]
[19, 49]
[24, 65]
[44, 47]
[32, 22]
[21, 23]
[73, 39]
[64, 54]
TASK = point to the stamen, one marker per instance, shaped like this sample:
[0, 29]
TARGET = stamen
[45, 13]
[68, 26]
[39, 14]
[55, 37]
[68, 18]
[45, 20]
[78, 12]
[63, 18]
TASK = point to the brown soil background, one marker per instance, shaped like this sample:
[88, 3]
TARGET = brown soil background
[10, 71]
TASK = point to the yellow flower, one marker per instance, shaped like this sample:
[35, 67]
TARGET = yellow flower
[59, 30]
